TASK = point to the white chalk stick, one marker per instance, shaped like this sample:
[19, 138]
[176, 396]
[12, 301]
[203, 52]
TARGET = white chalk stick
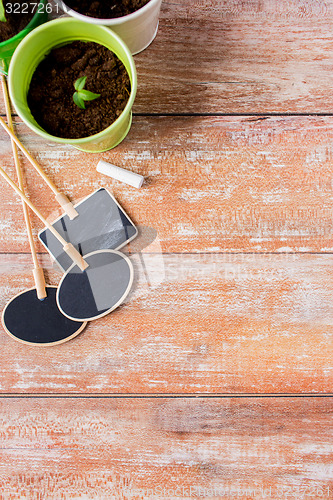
[120, 174]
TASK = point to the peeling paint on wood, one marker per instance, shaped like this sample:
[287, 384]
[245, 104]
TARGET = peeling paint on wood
[233, 296]
[193, 323]
[212, 183]
[132, 449]
[239, 57]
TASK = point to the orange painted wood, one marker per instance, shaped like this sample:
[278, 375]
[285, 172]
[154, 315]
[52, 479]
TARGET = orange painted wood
[192, 324]
[251, 56]
[213, 56]
[212, 183]
[140, 449]
[211, 310]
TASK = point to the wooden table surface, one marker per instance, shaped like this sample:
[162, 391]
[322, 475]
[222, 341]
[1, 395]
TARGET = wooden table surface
[214, 379]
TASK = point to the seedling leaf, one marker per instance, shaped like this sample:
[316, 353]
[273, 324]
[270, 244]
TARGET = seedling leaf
[80, 82]
[78, 101]
[81, 94]
[86, 95]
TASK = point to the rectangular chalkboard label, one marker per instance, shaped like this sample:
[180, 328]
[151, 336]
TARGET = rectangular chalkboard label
[101, 224]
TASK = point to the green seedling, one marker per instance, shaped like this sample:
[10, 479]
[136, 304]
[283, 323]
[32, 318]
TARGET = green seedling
[2, 12]
[81, 95]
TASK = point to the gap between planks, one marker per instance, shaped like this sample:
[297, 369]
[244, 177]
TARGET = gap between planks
[223, 252]
[262, 116]
[166, 396]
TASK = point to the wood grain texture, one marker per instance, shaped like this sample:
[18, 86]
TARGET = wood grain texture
[212, 184]
[139, 449]
[192, 324]
[248, 56]
[234, 295]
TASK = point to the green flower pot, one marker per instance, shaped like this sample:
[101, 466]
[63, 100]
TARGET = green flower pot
[8, 47]
[37, 45]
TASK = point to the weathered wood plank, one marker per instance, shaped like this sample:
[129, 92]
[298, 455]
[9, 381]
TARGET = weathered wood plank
[213, 184]
[205, 323]
[239, 57]
[181, 448]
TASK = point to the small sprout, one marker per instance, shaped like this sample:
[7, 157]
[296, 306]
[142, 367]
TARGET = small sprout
[2, 12]
[81, 94]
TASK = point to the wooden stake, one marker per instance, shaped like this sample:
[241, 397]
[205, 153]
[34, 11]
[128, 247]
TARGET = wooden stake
[37, 271]
[68, 247]
[62, 199]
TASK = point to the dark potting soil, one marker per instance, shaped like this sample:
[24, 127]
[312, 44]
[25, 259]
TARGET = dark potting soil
[50, 96]
[106, 9]
[18, 15]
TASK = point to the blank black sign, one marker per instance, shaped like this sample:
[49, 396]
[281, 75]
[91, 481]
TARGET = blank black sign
[38, 321]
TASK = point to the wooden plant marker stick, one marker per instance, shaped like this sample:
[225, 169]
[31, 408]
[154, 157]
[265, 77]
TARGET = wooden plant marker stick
[68, 247]
[37, 271]
[60, 197]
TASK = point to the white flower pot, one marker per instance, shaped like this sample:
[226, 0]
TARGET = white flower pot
[137, 30]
